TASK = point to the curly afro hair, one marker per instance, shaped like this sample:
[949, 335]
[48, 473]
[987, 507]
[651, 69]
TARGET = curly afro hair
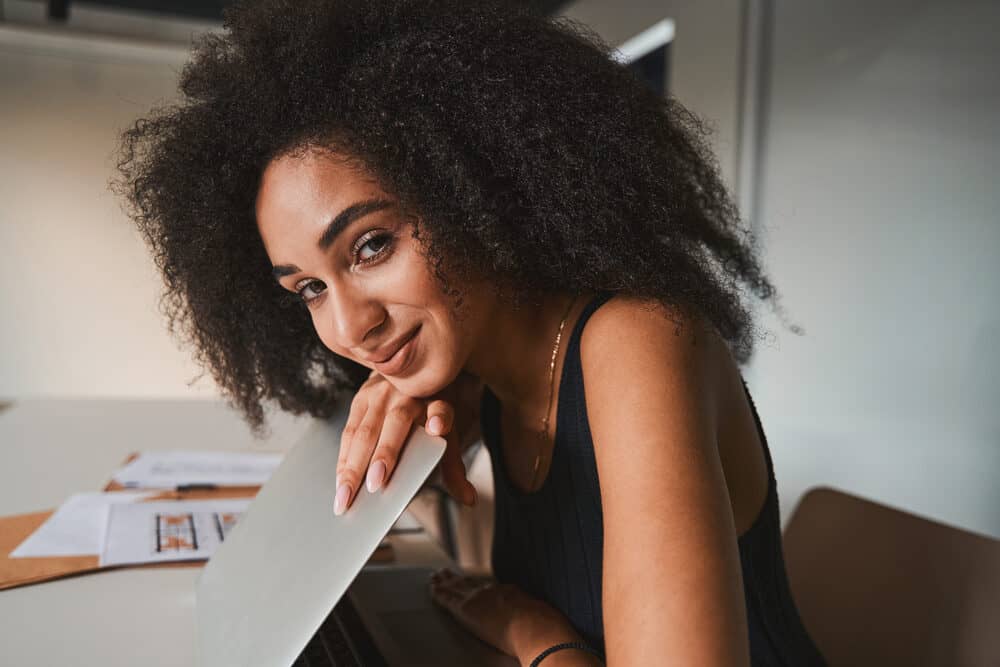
[522, 148]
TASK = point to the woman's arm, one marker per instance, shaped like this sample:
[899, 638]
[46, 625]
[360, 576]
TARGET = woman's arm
[672, 584]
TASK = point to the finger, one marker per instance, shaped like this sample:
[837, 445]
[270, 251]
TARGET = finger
[448, 588]
[440, 421]
[395, 431]
[445, 597]
[359, 407]
[360, 453]
[470, 585]
[462, 583]
[440, 417]
[453, 474]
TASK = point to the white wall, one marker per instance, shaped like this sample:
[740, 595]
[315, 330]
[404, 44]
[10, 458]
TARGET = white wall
[879, 209]
[78, 292]
[880, 203]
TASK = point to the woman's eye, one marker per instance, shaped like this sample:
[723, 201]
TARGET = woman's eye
[370, 246]
[310, 289]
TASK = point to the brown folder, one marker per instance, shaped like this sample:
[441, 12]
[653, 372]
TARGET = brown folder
[21, 571]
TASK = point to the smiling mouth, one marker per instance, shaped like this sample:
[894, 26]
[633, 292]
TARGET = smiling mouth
[406, 339]
[399, 359]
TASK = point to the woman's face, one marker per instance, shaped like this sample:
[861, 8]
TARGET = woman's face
[340, 242]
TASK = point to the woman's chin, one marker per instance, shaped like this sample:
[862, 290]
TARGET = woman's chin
[420, 385]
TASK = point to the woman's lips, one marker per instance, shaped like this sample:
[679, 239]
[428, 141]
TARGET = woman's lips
[398, 362]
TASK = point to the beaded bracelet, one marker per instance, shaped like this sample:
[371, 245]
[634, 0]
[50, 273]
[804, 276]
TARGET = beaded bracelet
[552, 649]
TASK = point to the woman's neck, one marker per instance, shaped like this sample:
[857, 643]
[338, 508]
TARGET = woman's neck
[513, 358]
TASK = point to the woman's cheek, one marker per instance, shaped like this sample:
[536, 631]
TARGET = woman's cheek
[328, 343]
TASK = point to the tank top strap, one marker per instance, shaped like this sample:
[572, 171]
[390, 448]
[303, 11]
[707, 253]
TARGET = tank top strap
[571, 418]
[573, 345]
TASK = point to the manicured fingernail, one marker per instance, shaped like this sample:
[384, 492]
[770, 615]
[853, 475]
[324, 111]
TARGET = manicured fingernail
[340, 502]
[435, 425]
[375, 476]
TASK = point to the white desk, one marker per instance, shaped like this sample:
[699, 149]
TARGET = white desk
[50, 449]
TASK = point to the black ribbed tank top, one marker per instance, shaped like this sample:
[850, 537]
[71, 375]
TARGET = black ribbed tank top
[549, 542]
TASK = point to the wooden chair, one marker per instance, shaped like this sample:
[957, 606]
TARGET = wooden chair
[878, 586]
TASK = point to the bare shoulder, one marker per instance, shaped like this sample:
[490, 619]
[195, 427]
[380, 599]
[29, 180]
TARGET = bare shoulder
[646, 340]
[651, 373]
[646, 316]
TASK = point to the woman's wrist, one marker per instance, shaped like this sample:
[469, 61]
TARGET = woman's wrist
[533, 633]
[565, 657]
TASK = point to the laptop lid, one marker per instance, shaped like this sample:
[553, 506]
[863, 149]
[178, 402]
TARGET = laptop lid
[289, 559]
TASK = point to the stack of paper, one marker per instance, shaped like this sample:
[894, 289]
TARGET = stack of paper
[135, 527]
[158, 532]
[121, 529]
[77, 528]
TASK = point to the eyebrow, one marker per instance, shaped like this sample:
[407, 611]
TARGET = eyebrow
[343, 219]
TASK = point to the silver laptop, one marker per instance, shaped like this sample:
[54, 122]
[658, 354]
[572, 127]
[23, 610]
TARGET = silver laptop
[285, 589]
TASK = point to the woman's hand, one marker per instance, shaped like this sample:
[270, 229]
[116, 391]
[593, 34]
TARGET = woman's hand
[504, 616]
[379, 423]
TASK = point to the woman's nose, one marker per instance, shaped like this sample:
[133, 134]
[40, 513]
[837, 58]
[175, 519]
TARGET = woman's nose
[353, 317]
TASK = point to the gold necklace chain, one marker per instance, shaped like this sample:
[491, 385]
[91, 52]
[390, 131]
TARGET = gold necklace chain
[552, 375]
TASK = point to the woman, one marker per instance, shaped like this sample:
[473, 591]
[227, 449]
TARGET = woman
[472, 217]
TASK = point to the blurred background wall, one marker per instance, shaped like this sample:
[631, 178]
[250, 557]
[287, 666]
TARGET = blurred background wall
[881, 217]
[860, 139]
[78, 293]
